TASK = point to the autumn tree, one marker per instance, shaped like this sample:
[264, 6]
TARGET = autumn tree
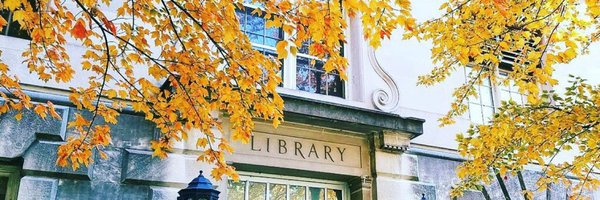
[197, 47]
[538, 35]
[212, 70]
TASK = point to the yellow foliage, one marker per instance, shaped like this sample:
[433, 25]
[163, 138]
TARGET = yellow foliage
[211, 65]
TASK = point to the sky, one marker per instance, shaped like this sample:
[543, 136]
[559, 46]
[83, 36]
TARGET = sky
[586, 66]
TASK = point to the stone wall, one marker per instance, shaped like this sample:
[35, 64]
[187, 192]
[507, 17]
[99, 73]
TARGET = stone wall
[431, 174]
[130, 172]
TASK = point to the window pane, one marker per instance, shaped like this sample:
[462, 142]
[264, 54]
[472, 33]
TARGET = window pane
[334, 194]
[316, 193]
[487, 82]
[488, 113]
[277, 192]
[485, 94]
[274, 33]
[305, 77]
[331, 84]
[254, 38]
[271, 42]
[235, 191]
[257, 191]
[297, 192]
[304, 48]
[475, 113]
[504, 95]
[523, 99]
[254, 24]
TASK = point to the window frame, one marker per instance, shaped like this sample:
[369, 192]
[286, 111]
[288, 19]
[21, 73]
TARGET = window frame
[496, 90]
[14, 178]
[290, 67]
[307, 183]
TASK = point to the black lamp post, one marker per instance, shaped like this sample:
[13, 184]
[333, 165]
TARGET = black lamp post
[199, 189]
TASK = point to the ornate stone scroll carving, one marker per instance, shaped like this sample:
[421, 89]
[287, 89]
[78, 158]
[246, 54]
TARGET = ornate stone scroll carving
[383, 100]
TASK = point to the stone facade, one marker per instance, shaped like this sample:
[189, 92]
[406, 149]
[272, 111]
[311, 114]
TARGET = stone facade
[374, 143]
[374, 165]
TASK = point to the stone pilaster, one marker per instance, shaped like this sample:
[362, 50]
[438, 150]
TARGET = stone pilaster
[396, 172]
[360, 188]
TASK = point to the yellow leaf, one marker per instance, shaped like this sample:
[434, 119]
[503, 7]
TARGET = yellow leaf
[111, 94]
[18, 15]
[12, 4]
[281, 49]
[19, 116]
[202, 142]
[122, 94]
[40, 110]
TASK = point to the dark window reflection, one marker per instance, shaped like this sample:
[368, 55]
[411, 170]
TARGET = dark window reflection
[263, 39]
[316, 193]
[13, 28]
[311, 77]
[3, 187]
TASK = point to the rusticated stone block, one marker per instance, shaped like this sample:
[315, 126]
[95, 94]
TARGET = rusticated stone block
[409, 165]
[390, 189]
[471, 195]
[80, 189]
[440, 172]
[530, 178]
[108, 170]
[131, 131]
[176, 169]
[41, 156]
[163, 193]
[23, 132]
[34, 188]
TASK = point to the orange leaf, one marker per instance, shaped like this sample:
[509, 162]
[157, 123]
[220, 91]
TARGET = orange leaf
[502, 7]
[111, 27]
[79, 30]
[40, 110]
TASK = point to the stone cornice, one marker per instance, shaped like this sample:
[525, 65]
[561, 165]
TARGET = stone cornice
[344, 117]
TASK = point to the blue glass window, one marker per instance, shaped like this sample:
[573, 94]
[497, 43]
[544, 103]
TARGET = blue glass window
[255, 27]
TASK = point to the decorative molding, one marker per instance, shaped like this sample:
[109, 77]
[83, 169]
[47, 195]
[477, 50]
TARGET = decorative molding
[383, 100]
[366, 181]
[394, 142]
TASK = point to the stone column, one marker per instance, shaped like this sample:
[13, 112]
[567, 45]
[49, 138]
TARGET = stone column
[396, 173]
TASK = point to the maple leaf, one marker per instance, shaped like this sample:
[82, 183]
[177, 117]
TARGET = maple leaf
[12, 4]
[79, 31]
